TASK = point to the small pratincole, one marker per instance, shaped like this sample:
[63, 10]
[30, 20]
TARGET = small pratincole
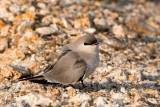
[77, 61]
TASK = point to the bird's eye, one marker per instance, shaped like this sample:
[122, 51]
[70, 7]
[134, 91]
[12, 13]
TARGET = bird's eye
[85, 43]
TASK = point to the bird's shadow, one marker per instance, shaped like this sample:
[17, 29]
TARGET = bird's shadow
[109, 85]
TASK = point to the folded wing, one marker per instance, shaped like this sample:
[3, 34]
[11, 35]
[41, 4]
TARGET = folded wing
[69, 68]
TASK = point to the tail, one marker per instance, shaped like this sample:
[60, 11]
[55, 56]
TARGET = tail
[39, 77]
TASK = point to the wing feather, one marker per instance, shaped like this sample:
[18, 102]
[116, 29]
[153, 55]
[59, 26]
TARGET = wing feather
[68, 69]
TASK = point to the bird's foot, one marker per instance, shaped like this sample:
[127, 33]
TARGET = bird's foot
[83, 84]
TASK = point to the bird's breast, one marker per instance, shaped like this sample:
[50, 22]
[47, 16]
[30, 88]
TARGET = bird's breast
[92, 62]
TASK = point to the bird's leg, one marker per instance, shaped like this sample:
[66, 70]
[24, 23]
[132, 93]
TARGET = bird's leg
[83, 84]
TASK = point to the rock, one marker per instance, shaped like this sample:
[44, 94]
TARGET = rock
[15, 53]
[14, 8]
[24, 72]
[85, 104]
[6, 59]
[117, 74]
[140, 26]
[4, 28]
[90, 30]
[41, 5]
[3, 44]
[152, 101]
[123, 89]
[29, 38]
[71, 92]
[29, 64]
[101, 102]
[28, 16]
[24, 26]
[80, 98]
[136, 95]
[101, 24]
[47, 19]
[82, 23]
[46, 31]
[118, 31]
[4, 31]
[153, 92]
[44, 11]
[153, 24]
[62, 21]
[120, 97]
[33, 100]
[8, 72]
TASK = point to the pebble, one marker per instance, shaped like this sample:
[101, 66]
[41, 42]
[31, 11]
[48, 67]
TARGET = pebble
[24, 25]
[33, 100]
[46, 31]
[3, 44]
[81, 97]
[118, 31]
[101, 24]
[101, 101]
[90, 30]
[41, 5]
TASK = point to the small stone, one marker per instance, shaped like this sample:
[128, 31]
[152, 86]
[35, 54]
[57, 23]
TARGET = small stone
[6, 59]
[101, 24]
[4, 27]
[33, 100]
[14, 53]
[29, 38]
[46, 31]
[118, 31]
[80, 98]
[82, 23]
[153, 24]
[71, 92]
[123, 89]
[153, 101]
[85, 104]
[151, 91]
[44, 12]
[28, 16]
[20, 69]
[132, 78]
[3, 44]
[121, 97]
[41, 5]
[7, 72]
[114, 15]
[29, 64]
[4, 31]
[90, 30]
[135, 94]
[101, 101]
[24, 25]
[62, 21]
[47, 19]
[14, 8]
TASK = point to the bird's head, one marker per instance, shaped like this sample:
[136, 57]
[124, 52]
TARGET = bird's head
[87, 44]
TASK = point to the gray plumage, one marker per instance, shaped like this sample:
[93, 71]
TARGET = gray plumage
[77, 61]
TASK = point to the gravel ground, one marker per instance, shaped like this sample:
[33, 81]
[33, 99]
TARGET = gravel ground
[32, 33]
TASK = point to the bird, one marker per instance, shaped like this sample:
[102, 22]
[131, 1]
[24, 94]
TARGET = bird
[77, 61]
